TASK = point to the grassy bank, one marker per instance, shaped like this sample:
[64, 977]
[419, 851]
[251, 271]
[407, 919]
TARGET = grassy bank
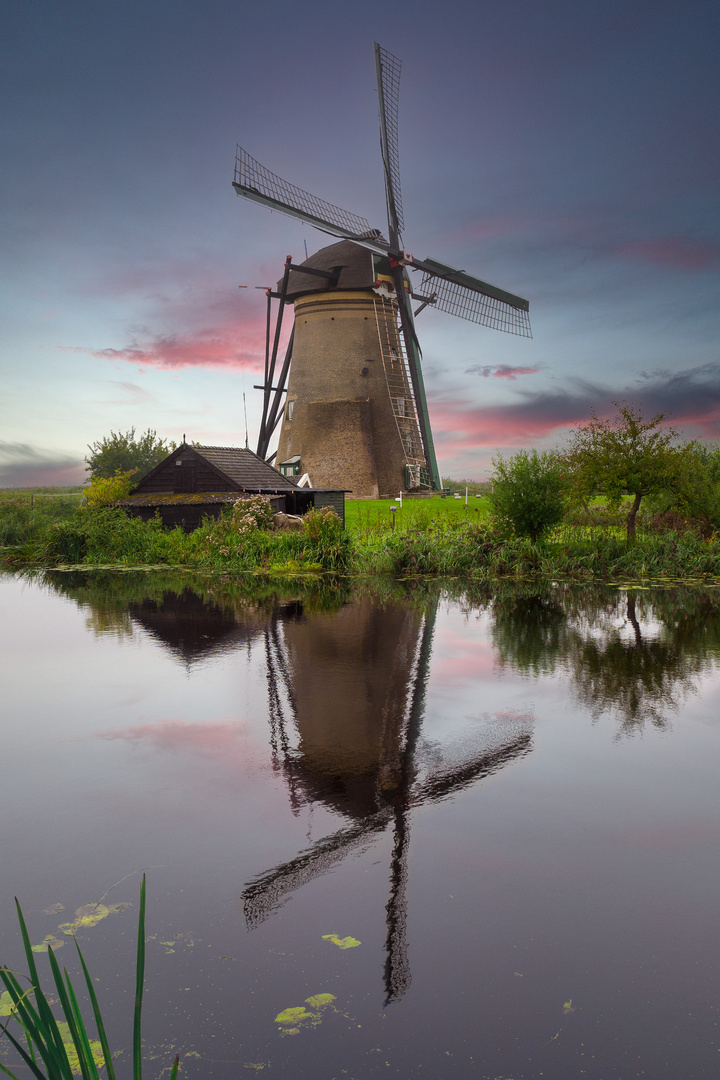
[438, 537]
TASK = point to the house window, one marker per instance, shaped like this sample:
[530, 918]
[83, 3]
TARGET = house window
[291, 467]
[290, 409]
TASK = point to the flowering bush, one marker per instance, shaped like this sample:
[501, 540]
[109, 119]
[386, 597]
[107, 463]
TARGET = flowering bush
[248, 515]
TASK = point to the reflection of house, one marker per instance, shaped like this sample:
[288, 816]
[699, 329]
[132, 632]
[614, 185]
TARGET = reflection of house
[198, 481]
[193, 629]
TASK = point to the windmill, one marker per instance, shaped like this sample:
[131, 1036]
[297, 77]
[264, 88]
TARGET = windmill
[354, 412]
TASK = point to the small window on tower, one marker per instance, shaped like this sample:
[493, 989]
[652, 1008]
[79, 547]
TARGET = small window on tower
[290, 409]
[400, 404]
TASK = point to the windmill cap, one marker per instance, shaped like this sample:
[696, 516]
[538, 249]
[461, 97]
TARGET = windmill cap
[352, 263]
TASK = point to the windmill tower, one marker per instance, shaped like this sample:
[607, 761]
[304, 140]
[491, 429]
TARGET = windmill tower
[355, 414]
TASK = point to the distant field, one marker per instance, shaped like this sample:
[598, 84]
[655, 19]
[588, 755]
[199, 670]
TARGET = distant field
[362, 514]
[31, 493]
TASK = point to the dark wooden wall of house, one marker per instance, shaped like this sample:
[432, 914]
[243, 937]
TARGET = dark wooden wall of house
[189, 476]
[335, 499]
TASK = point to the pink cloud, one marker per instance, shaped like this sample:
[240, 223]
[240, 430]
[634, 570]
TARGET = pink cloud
[500, 371]
[676, 251]
[459, 426]
[231, 344]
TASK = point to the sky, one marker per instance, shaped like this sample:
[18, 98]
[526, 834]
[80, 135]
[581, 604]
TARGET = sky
[566, 151]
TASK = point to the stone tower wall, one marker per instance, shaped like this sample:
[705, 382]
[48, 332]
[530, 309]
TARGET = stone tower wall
[342, 423]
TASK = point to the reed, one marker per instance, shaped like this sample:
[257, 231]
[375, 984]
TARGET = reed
[46, 1055]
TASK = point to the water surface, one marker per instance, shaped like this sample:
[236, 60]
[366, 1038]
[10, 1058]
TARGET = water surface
[509, 798]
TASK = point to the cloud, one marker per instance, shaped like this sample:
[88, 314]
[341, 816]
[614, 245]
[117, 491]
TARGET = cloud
[228, 344]
[205, 348]
[691, 398]
[22, 465]
[500, 371]
[680, 252]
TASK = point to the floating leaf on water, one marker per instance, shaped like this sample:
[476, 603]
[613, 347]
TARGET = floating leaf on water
[6, 1004]
[54, 909]
[87, 915]
[49, 941]
[74, 1061]
[294, 1015]
[115, 909]
[568, 1006]
[342, 943]
[319, 1001]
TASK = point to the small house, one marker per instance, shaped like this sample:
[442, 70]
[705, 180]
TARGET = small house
[198, 481]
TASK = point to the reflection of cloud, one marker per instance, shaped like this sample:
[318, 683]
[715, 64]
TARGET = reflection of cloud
[23, 465]
[690, 397]
[500, 371]
[462, 660]
[225, 739]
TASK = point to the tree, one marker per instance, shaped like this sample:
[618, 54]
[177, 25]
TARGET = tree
[697, 494]
[118, 453]
[529, 492]
[626, 455]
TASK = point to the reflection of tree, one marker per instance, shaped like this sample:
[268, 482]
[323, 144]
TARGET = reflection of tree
[634, 654]
[528, 631]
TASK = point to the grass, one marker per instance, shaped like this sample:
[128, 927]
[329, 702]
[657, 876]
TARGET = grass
[52, 1054]
[363, 515]
[440, 537]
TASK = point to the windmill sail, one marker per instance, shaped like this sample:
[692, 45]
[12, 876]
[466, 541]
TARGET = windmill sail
[388, 69]
[470, 298]
[253, 181]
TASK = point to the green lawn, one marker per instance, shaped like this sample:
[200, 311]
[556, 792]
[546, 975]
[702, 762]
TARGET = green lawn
[364, 514]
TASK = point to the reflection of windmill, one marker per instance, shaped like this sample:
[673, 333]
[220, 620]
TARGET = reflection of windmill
[377, 765]
[356, 411]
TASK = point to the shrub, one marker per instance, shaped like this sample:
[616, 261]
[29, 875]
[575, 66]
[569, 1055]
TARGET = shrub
[528, 493]
[106, 490]
[332, 547]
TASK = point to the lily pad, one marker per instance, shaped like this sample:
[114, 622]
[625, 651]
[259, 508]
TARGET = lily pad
[74, 1061]
[54, 909]
[48, 942]
[342, 943]
[87, 915]
[293, 1016]
[6, 1004]
[319, 1001]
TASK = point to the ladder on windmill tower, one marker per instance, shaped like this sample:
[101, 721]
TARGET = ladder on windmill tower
[400, 391]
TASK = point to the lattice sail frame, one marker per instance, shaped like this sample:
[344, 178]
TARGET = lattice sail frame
[256, 182]
[388, 72]
[475, 305]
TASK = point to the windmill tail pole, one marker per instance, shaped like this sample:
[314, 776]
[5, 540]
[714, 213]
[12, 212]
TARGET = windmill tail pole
[265, 433]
